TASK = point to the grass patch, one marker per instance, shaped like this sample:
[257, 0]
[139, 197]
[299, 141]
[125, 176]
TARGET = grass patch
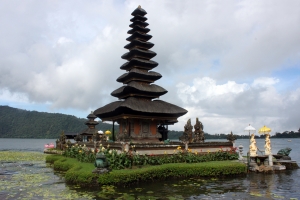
[81, 173]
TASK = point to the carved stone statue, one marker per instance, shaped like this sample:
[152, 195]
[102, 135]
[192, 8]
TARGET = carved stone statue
[62, 138]
[78, 138]
[101, 164]
[123, 136]
[198, 133]
[267, 145]
[61, 143]
[283, 154]
[253, 147]
[188, 132]
[231, 137]
[285, 151]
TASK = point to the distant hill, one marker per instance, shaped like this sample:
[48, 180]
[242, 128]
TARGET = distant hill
[18, 123]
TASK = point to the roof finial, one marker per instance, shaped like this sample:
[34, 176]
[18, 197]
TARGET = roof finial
[139, 6]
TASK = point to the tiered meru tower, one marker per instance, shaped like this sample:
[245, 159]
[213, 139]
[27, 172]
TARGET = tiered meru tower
[138, 111]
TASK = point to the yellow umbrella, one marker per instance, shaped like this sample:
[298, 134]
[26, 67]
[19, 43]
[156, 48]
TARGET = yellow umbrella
[264, 130]
[107, 132]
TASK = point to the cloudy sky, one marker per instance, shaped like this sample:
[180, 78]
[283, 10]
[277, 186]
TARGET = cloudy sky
[229, 63]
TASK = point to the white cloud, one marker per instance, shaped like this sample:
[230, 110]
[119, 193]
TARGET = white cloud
[229, 107]
[217, 58]
[206, 88]
[264, 82]
[7, 96]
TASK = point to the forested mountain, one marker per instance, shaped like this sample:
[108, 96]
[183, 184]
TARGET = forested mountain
[18, 123]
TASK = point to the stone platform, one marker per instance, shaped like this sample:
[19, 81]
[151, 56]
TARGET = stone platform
[160, 148]
[289, 164]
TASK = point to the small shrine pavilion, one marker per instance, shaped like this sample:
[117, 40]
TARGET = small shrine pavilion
[139, 112]
[88, 133]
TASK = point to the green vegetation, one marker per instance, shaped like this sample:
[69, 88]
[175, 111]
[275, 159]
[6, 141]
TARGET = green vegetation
[215, 168]
[80, 173]
[76, 172]
[31, 179]
[132, 158]
[287, 134]
[13, 156]
[17, 123]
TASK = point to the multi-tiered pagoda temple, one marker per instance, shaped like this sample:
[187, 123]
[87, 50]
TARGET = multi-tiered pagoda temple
[88, 133]
[139, 112]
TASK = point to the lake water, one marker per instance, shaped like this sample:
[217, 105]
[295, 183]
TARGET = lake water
[279, 185]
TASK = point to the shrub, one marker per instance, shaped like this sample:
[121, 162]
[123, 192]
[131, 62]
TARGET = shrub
[218, 168]
[81, 153]
[132, 158]
[76, 172]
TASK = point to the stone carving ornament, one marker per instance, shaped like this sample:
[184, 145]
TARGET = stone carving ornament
[253, 147]
[188, 132]
[198, 133]
[267, 145]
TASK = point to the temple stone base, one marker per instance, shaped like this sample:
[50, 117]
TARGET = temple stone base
[279, 167]
[160, 148]
[289, 164]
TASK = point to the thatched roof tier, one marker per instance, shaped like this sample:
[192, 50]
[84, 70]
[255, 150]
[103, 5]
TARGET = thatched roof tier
[139, 44]
[139, 11]
[139, 75]
[89, 131]
[91, 116]
[139, 92]
[137, 89]
[138, 17]
[138, 23]
[138, 53]
[139, 63]
[140, 108]
[138, 28]
[139, 36]
[91, 123]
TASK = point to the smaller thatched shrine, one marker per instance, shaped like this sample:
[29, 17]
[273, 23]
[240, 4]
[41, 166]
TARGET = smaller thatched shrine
[87, 134]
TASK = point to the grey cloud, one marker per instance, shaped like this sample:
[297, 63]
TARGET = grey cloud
[68, 53]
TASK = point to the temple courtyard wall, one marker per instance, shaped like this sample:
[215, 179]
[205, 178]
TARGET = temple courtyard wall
[159, 148]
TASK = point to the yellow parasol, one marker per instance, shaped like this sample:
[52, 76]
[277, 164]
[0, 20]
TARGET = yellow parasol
[264, 130]
[107, 132]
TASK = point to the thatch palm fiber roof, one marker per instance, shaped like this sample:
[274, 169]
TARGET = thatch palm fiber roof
[139, 63]
[138, 90]
[137, 106]
[137, 74]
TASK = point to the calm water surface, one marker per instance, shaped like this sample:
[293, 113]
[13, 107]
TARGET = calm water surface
[280, 185]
